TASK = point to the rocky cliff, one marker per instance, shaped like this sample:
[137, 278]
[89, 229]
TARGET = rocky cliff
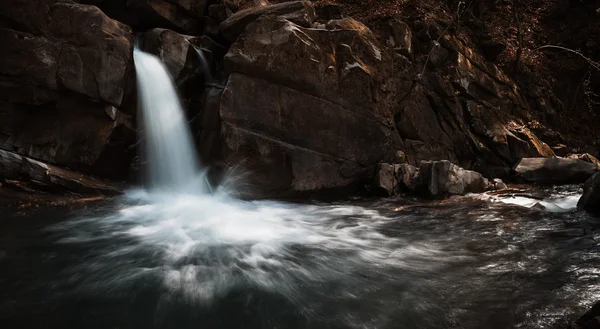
[298, 94]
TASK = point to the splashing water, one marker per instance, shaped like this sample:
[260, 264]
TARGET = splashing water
[168, 145]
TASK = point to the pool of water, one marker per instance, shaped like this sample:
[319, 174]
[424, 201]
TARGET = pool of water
[151, 260]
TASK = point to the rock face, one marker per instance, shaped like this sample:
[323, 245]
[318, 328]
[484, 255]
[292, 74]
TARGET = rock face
[590, 200]
[62, 46]
[443, 178]
[555, 170]
[310, 122]
[62, 82]
[305, 106]
[305, 100]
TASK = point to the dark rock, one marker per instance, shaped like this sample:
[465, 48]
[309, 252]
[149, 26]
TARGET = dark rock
[561, 150]
[298, 141]
[300, 108]
[585, 157]
[72, 132]
[14, 166]
[492, 49]
[443, 178]
[590, 201]
[407, 176]
[428, 30]
[160, 13]
[77, 49]
[401, 38]
[219, 12]
[171, 47]
[590, 315]
[592, 324]
[436, 54]
[299, 12]
[555, 170]
[385, 181]
[328, 12]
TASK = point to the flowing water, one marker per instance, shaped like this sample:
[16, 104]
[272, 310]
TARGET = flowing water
[168, 145]
[152, 260]
[175, 256]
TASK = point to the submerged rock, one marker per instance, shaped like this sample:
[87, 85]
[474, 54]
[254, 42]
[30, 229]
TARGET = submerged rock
[555, 170]
[442, 178]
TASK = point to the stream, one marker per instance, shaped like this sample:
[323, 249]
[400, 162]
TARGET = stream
[177, 260]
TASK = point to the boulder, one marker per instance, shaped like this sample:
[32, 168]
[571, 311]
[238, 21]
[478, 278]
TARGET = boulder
[590, 200]
[299, 12]
[77, 49]
[386, 182]
[555, 170]
[443, 178]
[49, 177]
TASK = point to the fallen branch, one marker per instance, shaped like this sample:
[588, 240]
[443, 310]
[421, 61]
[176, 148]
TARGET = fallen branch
[595, 65]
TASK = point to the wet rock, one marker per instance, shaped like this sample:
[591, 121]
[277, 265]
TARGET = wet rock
[49, 177]
[171, 47]
[406, 176]
[443, 178]
[299, 12]
[555, 170]
[385, 179]
[590, 200]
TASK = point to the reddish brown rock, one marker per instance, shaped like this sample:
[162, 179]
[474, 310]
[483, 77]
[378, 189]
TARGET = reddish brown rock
[299, 12]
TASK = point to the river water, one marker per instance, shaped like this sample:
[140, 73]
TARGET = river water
[150, 260]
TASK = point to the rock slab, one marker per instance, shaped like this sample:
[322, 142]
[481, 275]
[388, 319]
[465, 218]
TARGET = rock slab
[555, 170]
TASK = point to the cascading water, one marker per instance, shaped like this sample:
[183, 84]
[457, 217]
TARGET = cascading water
[168, 145]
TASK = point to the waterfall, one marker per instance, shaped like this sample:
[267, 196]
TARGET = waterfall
[169, 149]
